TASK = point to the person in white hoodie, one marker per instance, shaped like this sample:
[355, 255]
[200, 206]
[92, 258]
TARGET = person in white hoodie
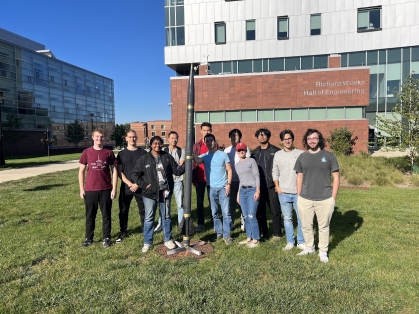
[285, 177]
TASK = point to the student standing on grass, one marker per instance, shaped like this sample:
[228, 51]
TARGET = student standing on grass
[218, 172]
[126, 163]
[285, 178]
[316, 194]
[99, 188]
[264, 156]
[153, 173]
[248, 195]
[235, 136]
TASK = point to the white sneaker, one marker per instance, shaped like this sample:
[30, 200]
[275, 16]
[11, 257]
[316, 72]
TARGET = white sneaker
[305, 252]
[158, 228]
[145, 248]
[288, 247]
[301, 246]
[170, 245]
[323, 257]
[244, 242]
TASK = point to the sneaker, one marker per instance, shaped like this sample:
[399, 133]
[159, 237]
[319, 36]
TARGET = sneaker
[120, 237]
[217, 237]
[244, 242]
[228, 240]
[158, 228]
[252, 244]
[170, 245]
[200, 228]
[145, 248]
[243, 228]
[305, 252]
[323, 257]
[288, 247]
[301, 246]
[87, 242]
[107, 242]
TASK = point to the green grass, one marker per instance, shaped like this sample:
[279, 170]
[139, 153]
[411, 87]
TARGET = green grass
[43, 268]
[22, 162]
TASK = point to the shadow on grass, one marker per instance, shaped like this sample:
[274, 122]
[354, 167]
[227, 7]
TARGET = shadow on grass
[9, 166]
[44, 187]
[343, 226]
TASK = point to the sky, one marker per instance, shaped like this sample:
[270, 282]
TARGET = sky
[120, 39]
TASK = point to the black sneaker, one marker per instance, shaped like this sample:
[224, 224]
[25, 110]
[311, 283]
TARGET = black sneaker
[107, 242]
[217, 237]
[121, 237]
[87, 242]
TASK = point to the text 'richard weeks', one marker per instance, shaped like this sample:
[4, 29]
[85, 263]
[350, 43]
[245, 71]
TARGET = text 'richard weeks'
[340, 83]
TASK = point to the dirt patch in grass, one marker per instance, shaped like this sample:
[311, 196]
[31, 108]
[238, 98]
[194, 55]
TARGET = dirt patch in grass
[206, 249]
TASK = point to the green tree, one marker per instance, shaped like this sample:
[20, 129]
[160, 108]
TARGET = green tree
[11, 128]
[118, 133]
[400, 128]
[341, 141]
[75, 132]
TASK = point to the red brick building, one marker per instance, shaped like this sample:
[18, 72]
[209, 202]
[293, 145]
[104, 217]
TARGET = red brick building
[151, 128]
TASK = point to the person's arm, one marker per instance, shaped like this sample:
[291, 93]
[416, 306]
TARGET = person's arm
[255, 170]
[275, 174]
[299, 182]
[114, 181]
[182, 157]
[132, 186]
[137, 175]
[229, 177]
[82, 170]
[336, 183]
[198, 160]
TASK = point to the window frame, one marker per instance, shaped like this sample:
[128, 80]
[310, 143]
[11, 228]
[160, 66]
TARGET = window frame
[254, 30]
[217, 24]
[311, 29]
[282, 18]
[369, 10]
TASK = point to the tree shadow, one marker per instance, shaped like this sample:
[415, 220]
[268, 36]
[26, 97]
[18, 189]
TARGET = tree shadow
[44, 187]
[343, 225]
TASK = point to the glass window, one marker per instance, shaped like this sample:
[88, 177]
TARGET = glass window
[415, 53]
[353, 113]
[233, 116]
[393, 78]
[276, 64]
[406, 54]
[306, 63]
[180, 16]
[315, 24]
[369, 19]
[282, 27]
[180, 36]
[372, 57]
[216, 117]
[201, 117]
[265, 115]
[344, 60]
[251, 30]
[321, 62]
[257, 65]
[335, 113]
[215, 68]
[357, 58]
[394, 55]
[245, 66]
[227, 67]
[317, 114]
[299, 114]
[249, 116]
[220, 33]
[292, 64]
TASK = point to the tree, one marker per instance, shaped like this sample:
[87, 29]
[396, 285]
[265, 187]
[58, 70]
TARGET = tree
[118, 133]
[341, 141]
[401, 128]
[11, 128]
[75, 132]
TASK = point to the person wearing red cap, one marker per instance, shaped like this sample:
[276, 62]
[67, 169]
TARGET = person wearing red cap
[248, 195]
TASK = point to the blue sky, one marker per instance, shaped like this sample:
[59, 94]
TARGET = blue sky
[120, 39]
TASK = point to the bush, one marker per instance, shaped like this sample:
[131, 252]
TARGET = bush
[341, 141]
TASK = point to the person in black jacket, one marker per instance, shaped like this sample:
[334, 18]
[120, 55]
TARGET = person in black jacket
[153, 173]
[264, 156]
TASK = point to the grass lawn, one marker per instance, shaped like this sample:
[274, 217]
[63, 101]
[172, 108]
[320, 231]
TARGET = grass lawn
[13, 163]
[43, 268]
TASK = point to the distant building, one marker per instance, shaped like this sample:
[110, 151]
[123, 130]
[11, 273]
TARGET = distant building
[290, 64]
[152, 128]
[49, 94]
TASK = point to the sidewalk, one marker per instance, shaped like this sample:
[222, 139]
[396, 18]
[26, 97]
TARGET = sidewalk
[21, 173]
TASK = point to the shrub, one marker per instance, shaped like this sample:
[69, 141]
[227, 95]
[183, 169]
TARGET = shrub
[415, 179]
[341, 141]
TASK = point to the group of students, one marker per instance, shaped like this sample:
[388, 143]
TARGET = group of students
[282, 179]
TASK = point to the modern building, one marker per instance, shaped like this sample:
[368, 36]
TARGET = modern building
[48, 94]
[290, 63]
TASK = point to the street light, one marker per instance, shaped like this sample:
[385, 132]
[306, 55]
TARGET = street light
[2, 161]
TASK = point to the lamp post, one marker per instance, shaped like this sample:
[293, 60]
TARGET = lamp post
[2, 161]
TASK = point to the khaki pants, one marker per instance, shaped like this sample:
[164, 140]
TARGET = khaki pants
[323, 210]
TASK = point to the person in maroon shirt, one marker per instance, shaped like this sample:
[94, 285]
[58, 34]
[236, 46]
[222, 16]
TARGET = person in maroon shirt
[99, 188]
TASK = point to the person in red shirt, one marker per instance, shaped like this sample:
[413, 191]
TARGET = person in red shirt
[99, 189]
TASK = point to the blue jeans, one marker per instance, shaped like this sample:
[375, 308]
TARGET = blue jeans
[249, 207]
[287, 201]
[178, 193]
[150, 212]
[219, 195]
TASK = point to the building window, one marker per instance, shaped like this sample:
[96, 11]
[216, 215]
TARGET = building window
[163, 133]
[369, 19]
[220, 33]
[152, 126]
[251, 30]
[153, 133]
[162, 127]
[315, 24]
[52, 78]
[175, 22]
[282, 27]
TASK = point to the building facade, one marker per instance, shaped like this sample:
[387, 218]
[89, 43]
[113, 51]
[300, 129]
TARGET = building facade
[149, 129]
[252, 40]
[49, 94]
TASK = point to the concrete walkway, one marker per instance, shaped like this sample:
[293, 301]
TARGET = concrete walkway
[21, 173]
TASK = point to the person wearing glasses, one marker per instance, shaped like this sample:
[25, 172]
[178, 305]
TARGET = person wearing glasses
[126, 163]
[285, 178]
[316, 193]
[264, 156]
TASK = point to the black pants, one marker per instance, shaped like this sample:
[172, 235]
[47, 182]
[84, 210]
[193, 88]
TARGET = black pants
[124, 205]
[269, 197]
[234, 189]
[200, 193]
[92, 200]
